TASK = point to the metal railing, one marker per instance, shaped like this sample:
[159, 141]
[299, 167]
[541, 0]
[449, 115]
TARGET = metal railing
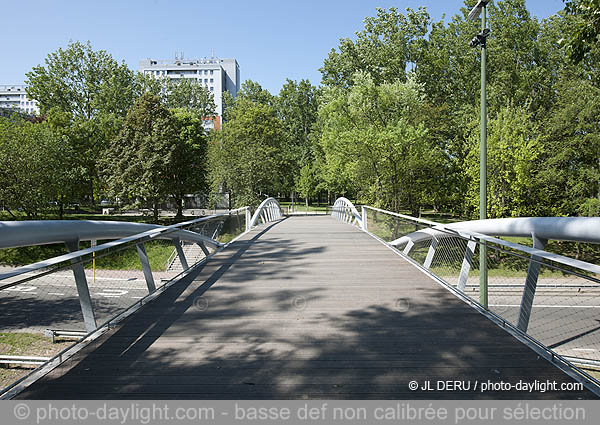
[345, 211]
[87, 290]
[550, 300]
[269, 210]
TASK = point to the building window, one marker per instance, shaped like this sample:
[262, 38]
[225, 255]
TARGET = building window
[212, 89]
[206, 80]
[211, 72]
[212, 80]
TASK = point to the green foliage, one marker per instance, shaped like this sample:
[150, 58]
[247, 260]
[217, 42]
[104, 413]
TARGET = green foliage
[185, 93]
[188, 162]
[297, 106]
[36, 166]
[590, 208]
[373, 137]
[245, 157]
[513, 149]
[138, 163]
[92, 91]
[387, 45]
[81, 81]
[570, 173]
[583, 35]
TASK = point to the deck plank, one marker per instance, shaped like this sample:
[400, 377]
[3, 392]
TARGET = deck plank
[305, 308]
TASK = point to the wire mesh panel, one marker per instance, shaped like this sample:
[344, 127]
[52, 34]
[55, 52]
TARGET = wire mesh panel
[554, 303]
[74, 294]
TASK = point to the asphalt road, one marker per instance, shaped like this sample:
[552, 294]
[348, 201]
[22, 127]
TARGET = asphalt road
[51, 302]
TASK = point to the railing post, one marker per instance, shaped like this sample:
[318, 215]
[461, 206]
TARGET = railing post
[365, 226]
[466, 265]
[248, 218]
[431, 253]
[203, 248]
[408, 247]
[533, 272]
[180, 254]
[141, 249]
[83, 290]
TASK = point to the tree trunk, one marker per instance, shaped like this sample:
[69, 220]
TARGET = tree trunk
[179, 208]
[61, 210]
[155, 211]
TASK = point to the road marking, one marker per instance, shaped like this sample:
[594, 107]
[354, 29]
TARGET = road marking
[112, 293]
[137, 298]
[22, 288]
[584, 349]
[55, 293]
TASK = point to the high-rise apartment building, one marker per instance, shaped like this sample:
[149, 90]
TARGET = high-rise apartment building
[15, 97]
[218, 75]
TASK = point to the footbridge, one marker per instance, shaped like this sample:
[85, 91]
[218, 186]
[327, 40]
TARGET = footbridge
[363, 303]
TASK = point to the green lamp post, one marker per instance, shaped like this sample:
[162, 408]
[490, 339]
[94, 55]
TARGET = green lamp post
[480, 40]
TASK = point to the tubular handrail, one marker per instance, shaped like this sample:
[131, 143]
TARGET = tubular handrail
[156, 232]
[344, 210]
[452, 230]
[268, 210]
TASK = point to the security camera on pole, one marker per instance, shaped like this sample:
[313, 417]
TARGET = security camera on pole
[481, 40]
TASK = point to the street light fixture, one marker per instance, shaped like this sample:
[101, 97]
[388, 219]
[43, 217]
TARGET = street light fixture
[480, 40]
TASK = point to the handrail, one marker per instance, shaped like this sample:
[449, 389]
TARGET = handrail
[157, 232]
[344, 210]
[452, 230]
[268, 210]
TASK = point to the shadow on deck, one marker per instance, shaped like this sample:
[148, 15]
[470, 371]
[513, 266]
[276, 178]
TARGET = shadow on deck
[304, 308]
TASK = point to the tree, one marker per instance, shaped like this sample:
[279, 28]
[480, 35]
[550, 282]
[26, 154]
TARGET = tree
[188, 167]
[584, 34]
[297, 106]
[254, 92]
[513, 152]
[185, 93]
[245, 156]
[94, 90]
[138, 165]
[570, 172]
[373, 134]
[384, 49]
[36, 166]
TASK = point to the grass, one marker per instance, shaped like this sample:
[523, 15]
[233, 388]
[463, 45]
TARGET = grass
[301, 207]
[24, 344]
[127, 259]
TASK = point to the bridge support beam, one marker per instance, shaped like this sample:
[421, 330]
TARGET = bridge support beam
[83, 290]
[141, 249]
[180, 254]
[204, 249]
[466, 265]
[431, 252]
[533, 273]
[408, 247]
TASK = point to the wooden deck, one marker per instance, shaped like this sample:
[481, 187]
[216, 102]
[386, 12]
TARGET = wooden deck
[304, 308]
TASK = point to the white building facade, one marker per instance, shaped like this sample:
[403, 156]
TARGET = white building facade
[15, 97]
[218, 75]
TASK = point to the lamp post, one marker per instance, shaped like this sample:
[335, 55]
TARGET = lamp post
[480, 40]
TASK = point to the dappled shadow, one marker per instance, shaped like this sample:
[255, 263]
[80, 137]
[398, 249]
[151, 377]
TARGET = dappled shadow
[298, 330]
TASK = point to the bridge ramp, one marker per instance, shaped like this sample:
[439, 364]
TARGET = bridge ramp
[303, 308]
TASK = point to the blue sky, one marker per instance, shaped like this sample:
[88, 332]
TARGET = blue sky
[271, 39]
